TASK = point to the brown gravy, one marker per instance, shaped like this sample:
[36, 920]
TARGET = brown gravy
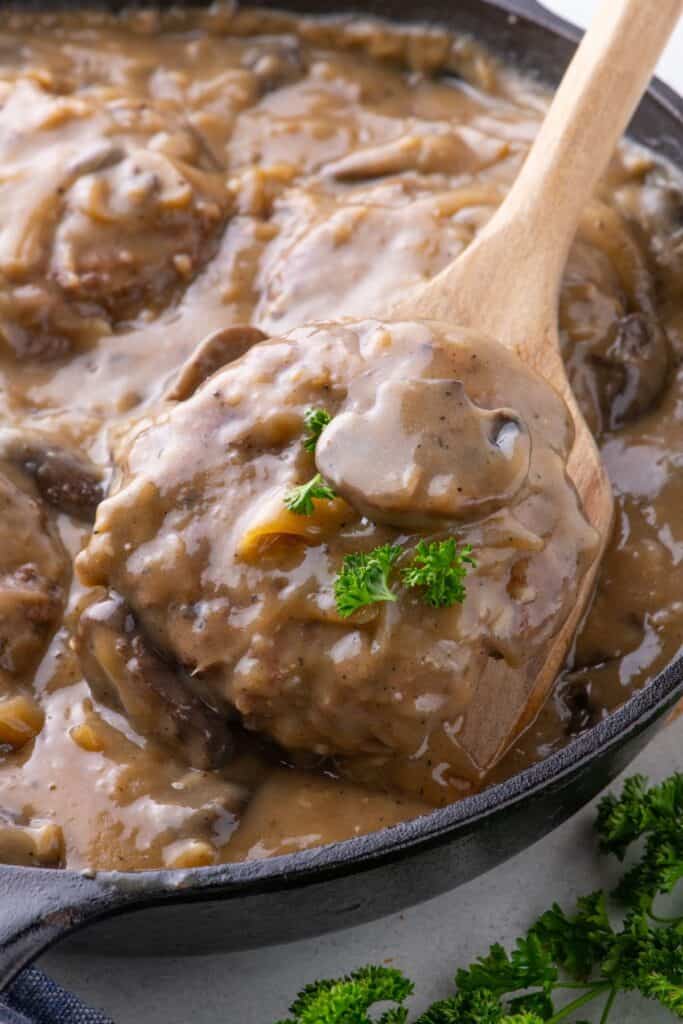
[165, 177]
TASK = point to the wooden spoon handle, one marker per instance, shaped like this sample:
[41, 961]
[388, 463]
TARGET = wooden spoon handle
[506, 283]
[590, 111]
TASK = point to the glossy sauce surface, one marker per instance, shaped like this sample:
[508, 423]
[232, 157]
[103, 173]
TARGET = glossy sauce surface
[166, 178]
[195, 556]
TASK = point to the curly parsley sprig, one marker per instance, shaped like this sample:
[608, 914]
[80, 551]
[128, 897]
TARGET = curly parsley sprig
[364, 579]
[351, 997]
[316, 420]
[440, 569]
[655, 814]
[565, 961]
[300, 498]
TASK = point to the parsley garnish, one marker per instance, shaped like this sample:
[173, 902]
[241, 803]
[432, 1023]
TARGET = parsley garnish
[440, 569]
[437, 567]
[364, 579]
[351, 997]
[655, 814]
[565, 961]
[316, 420]
[300, 499]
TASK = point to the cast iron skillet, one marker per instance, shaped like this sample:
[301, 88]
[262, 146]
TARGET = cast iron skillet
[306, 893]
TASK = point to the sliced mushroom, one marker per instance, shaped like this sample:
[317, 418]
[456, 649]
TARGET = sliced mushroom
[66, 479]
[216, 350]
[34, 572]
[97, 157]
[454, 152]
[632, 363]
[276, 61]
[160, 699]
[424, 452]
[30, 609]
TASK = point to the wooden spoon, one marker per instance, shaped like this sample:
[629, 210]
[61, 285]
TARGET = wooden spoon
[506, 284]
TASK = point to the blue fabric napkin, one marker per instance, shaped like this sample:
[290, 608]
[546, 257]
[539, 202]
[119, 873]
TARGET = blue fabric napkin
[36, 999]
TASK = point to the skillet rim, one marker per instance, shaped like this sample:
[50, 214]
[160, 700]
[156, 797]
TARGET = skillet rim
[442, 825]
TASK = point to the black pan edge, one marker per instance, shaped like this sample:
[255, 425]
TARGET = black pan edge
[120, 891]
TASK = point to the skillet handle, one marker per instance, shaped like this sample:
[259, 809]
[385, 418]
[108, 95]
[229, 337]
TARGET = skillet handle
[38, 906]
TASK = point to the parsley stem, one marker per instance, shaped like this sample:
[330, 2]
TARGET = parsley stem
[592, 993]
[608, 1006]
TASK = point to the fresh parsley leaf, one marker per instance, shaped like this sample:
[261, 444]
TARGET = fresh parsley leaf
[364, 579]
[658, 871]
[529, 964]
[536, 1004]
[666, 991]
[396, 1015]
[300, 499]
[621, 820]
[656, 813]
[478, 1007]
[440, 569]
[648, 960]
[348, 1000]
[576, 943]
[316, 420]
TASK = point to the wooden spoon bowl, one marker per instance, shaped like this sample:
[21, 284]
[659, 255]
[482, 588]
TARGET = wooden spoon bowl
[506, 284]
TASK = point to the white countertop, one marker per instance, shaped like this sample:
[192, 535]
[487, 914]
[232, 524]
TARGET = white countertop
[429, 942]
